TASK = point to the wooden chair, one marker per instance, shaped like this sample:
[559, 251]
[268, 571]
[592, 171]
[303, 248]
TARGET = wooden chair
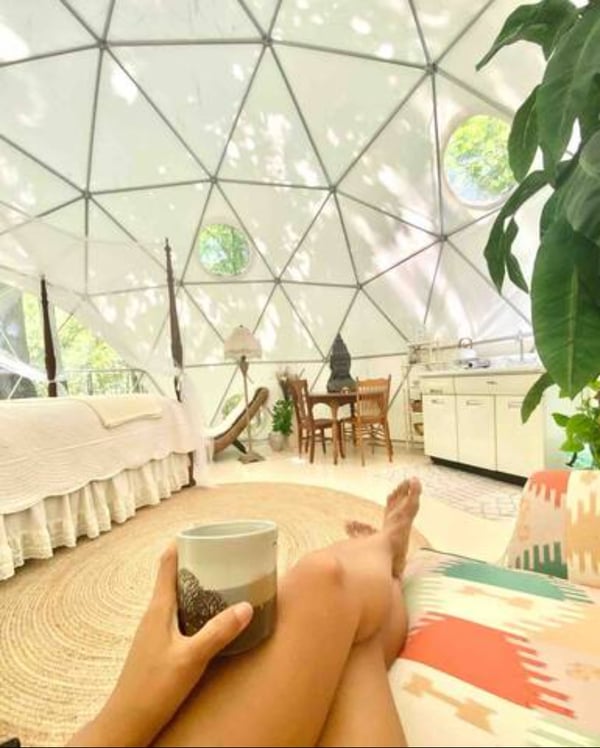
[308, 427]
[371, 415]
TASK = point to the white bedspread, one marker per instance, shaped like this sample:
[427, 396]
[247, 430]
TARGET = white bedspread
[52, 447]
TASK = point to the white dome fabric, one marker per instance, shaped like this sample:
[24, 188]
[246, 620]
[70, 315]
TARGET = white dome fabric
[316, 127]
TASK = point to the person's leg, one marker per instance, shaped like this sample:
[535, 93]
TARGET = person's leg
[363, 712]
[281, 693]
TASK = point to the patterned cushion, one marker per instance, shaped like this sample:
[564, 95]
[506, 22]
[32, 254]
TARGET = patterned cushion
[497, 657]
[558, 528]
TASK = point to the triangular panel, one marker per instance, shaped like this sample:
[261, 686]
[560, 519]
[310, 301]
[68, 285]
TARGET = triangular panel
[93, 12]
[442, 23]
[322, 309]
[269, 143]
[36, 97]
[263, 11]
[341, 122]
[382, 28]
[39, 249]
[115, 263]
[454, 106]
[276, 217]
[71, 218]
[323, 255]
[122, 158]
[403, 292]
[139, 315]
[26, 185]
[464, 305]
[179, 19]
[202, 99]
[507, 79]
[281, 333]
[379, 241]
[398, 172]
[165, 212]
[218, 211]
[232, 304]
[201, 344]
[367, 332]
[35, 27]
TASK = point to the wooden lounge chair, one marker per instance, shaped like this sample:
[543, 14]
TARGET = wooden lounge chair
[228, 431]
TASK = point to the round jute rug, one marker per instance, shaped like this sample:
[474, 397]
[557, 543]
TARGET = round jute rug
[66, 622]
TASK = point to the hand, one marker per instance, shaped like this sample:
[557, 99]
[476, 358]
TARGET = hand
[162, 666]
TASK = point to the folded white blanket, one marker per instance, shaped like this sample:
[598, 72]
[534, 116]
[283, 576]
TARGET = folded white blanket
[114, 410]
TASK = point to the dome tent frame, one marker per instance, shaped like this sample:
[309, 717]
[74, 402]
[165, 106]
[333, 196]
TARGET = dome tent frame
[334, 206]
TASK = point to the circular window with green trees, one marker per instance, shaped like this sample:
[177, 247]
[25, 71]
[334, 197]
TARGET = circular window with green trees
[476, 161]
[223, 249]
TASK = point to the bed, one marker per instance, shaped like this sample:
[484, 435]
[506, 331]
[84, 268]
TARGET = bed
[71, 467]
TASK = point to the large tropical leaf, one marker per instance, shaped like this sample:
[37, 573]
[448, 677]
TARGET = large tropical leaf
[565, 317]
[582, 195]
[542, 23]
[523, 138]
[568, 83]
[534, 397]
[499, 244]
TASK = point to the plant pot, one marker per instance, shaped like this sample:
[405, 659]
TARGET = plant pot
[277, 441]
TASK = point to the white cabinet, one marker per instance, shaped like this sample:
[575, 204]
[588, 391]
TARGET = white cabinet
[520, 447]
[475, 426]
[475, 419]
[439, 415]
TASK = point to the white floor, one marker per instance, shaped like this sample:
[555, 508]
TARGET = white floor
[448, 528]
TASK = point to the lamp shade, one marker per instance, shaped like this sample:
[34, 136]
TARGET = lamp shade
[240, 343]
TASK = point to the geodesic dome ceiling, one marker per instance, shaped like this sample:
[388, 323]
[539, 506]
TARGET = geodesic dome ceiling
[315, 127]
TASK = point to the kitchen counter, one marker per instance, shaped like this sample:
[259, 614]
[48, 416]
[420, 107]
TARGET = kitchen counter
[457, 371]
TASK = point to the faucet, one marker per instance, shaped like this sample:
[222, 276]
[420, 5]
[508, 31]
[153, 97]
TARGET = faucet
[521, 346]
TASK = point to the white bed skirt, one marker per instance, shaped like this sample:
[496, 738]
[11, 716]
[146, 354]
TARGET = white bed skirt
[59, 520]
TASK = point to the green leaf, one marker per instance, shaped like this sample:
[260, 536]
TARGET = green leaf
[499, 244]
[560, 419]
[582, 195]
[529, 186]
[542, 23]
[534, 396]
[515, 273]
[495, 254]
[565, 318]
[523, 138]
[568, 83]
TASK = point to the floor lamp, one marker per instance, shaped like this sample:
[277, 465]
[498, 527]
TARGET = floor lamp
[240, 346]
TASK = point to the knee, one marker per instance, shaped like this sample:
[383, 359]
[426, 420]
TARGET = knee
[321, 571]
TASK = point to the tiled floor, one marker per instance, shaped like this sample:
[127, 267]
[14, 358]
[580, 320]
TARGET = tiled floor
[460, 512]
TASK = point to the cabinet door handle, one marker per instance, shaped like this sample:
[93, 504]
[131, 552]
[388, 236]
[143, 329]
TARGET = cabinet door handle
[437, 402]
[436, 391]
[473, 402]
[491, 381]
[515, 404]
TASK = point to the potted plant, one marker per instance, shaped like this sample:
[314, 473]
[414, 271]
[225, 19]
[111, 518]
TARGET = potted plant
[557, 127]
[582, 429]
[281, 426]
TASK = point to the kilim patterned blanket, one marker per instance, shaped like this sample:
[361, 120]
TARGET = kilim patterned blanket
[506, 657]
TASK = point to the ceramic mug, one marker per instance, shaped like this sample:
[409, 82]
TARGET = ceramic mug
[222, 563]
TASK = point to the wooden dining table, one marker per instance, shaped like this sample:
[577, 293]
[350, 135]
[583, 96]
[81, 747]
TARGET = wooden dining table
[334, 400]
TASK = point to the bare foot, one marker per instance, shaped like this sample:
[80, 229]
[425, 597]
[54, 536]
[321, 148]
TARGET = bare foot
[401, 508]
[356, 529]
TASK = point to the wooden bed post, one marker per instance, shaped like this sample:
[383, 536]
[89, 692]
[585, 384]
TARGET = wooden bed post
[176, 345]
[50, 356]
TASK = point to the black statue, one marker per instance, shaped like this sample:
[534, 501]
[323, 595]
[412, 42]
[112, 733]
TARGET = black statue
[339, 363]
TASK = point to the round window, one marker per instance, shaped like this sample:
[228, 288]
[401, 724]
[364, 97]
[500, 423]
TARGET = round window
[476, 161]
[223, 250]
